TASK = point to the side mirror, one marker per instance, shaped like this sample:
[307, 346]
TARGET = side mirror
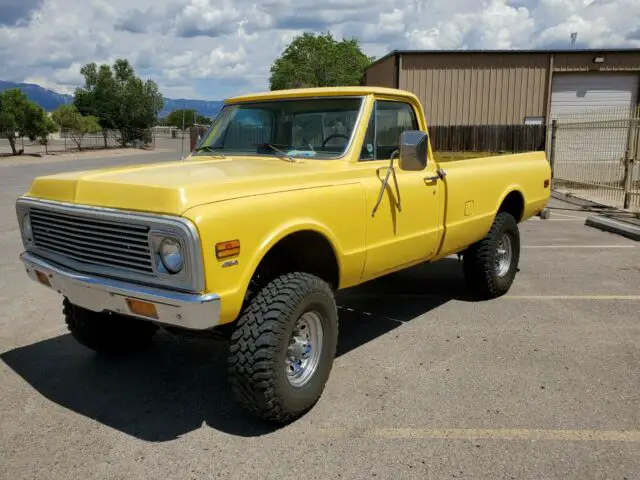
[413, 150]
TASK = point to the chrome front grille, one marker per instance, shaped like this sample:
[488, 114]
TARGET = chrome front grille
[92, 241]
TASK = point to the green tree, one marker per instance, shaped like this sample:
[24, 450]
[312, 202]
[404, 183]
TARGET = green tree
[8, 125]
[175, 118]
[41, 127]
[47, 127]
[119, 99]
[319, 61]
[18, 114]
[73, 123]
[98, 97]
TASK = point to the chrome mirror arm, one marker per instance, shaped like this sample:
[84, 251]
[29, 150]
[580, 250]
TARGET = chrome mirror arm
[385, 182]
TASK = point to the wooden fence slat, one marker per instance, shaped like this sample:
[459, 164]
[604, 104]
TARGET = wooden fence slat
[464, 138]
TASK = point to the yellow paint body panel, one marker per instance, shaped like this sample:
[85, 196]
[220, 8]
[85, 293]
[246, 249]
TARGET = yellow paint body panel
[261, 200]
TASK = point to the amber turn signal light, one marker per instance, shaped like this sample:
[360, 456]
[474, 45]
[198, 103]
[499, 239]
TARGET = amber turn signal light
[144, 309]
[42, 278]
[546, 183]
[227, 249]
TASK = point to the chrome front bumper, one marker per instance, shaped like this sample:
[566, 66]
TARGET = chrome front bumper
[186, 310]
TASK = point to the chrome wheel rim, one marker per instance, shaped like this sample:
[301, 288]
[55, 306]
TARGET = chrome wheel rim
[503, 255]
[305, 347]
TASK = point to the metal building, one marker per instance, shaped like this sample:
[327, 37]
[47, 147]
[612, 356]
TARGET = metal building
[580, 106]
[511, 87]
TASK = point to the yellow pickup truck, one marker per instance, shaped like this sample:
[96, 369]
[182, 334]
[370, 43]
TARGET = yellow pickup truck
[289, 197]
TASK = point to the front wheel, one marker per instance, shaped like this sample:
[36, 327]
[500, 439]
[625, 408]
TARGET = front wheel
[282, 351]
[491, 264]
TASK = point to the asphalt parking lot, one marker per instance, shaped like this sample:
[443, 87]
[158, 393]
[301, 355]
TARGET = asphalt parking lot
[542, 383]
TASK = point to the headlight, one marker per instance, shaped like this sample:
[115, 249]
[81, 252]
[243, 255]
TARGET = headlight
[26, 228]
[171, 255]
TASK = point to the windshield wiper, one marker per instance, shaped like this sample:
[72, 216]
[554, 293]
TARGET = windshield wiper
[279, 153]
[210, 149]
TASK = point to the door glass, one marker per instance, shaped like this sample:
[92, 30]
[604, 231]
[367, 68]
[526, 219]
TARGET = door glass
[392, 118]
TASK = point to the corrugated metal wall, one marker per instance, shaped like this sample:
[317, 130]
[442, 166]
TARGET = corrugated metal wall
[477, 88]
[382, 74]
[583, 62]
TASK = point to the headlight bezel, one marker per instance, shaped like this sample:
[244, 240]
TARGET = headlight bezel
[156, 237]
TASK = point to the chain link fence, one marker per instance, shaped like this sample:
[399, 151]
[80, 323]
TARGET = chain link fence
[594, 156]
[65, 141]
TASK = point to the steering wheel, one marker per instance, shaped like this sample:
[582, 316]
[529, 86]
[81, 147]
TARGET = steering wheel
[334, 135]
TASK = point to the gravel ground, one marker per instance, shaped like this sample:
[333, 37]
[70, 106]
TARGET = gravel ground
[542, 383]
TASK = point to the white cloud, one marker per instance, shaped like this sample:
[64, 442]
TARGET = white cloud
[216, 48]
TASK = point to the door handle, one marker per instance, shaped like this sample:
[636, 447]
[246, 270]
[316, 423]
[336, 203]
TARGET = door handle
[440, 174]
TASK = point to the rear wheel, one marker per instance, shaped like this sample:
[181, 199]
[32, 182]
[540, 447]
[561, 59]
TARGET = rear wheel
[107, 332]
[490, 265]
[282, 351]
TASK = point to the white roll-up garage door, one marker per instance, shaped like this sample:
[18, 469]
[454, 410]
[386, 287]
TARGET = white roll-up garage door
[573, 93]
[593, 101]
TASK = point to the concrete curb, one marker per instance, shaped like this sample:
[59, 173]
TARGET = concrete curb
[624, 229]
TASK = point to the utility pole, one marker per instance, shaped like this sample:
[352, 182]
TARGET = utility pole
[182, 139]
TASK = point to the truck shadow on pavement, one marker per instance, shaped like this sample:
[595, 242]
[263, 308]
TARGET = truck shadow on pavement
[180, 384]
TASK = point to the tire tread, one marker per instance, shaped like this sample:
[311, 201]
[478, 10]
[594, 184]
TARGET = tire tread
[260, 330]
[478, 259]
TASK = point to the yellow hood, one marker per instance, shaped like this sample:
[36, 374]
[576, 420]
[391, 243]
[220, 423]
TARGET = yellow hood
[174, 187]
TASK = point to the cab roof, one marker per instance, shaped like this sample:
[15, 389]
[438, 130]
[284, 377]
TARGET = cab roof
[320, 92]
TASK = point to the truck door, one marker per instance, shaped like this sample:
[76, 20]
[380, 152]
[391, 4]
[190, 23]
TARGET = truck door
[406, 227]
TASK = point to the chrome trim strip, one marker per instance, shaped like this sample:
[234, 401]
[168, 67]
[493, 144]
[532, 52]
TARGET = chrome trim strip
[185, 310]
[191, 279]
[348, 151]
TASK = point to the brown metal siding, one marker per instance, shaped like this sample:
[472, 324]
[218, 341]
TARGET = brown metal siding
[583, 62]
[472, 89]
[382, 74]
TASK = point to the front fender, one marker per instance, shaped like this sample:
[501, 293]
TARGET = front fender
[284, 230]
[260, 222]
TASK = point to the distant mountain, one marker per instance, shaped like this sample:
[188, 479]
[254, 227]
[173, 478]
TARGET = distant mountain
[207, 108]
[50, 100]
[47, 99]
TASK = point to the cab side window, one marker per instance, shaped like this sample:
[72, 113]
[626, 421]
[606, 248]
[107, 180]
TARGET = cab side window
[389, 120]
[392, 118]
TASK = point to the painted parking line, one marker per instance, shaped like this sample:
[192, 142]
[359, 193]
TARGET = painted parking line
[573, 297]
[506, 297]
[486, 434]
[557, 214]
[573, 219]
[579, 246]
[565, 216]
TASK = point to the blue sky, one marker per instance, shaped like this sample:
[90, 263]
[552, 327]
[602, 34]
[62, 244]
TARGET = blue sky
[212, 49]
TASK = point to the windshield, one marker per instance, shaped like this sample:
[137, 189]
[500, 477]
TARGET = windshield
[319, 128]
